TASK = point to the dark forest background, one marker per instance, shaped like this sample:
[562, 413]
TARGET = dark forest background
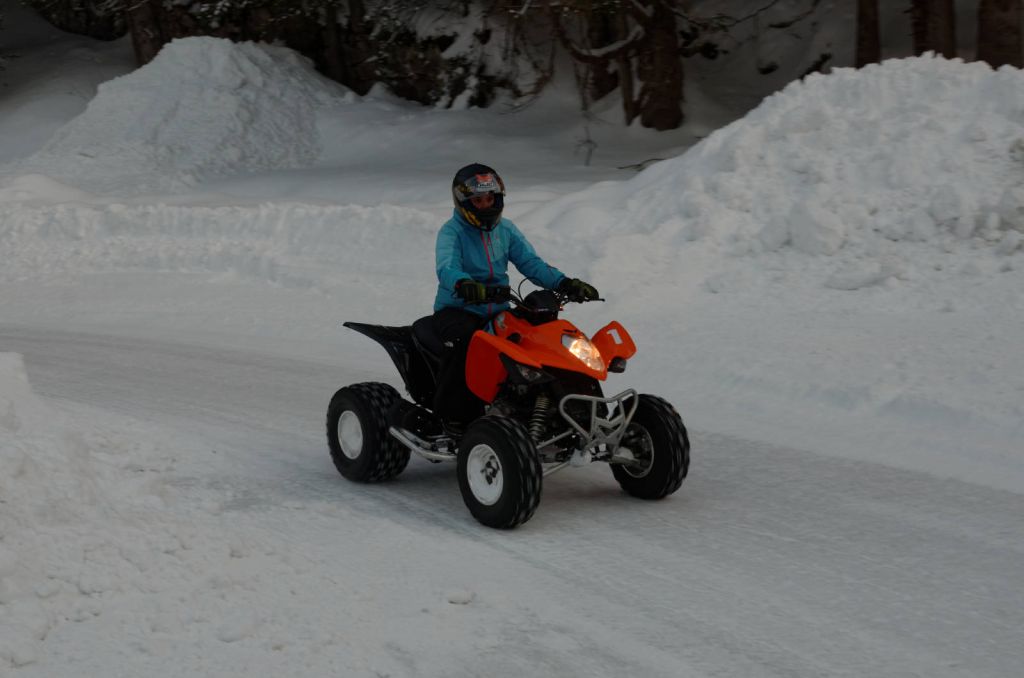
[442, 51]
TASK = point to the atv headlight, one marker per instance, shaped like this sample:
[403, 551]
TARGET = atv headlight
[584, 350]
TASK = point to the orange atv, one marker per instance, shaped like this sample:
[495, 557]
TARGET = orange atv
[540, 379]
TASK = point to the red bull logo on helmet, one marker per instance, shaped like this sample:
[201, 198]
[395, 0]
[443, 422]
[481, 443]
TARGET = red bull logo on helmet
[486, 183]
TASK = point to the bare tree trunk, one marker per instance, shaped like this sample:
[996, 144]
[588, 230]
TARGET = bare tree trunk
[357, 50]
[934, 26]
[602, 30]
[869, 50]
[999, 33]
[661, 95]
[625, 69]
[333, 66]
[147, 36]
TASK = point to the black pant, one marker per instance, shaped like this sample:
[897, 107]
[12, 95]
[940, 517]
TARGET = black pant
[453, 401]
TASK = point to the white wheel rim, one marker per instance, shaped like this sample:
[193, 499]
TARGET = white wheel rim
[350, 434]
[645, 440]
[485, 475]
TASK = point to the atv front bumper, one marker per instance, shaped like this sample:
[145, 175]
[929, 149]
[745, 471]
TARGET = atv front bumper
[598, 433]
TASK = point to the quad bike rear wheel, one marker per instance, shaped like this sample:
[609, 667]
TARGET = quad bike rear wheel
[656, 440]
[499, 471]
[357, 433]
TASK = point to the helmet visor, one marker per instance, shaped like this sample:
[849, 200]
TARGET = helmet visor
[479, 184]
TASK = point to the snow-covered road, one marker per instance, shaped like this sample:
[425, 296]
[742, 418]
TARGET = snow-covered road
[768, 562]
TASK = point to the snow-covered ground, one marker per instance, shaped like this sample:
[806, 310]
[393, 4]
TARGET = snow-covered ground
[829, 290]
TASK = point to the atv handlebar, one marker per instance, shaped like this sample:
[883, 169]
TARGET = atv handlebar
[562, 297]
[501, 294]
[540, 305]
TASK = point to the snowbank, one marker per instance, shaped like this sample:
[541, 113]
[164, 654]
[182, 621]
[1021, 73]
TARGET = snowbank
[288, 244]
[202, 107]
[918, 150]
[47, 486]
[94, 533]
[865, 170]
[82, 519]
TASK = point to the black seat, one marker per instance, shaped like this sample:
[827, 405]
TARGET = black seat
[424, 332]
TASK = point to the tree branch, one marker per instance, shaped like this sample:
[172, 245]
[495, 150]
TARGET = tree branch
[723, 22]
[601, 55]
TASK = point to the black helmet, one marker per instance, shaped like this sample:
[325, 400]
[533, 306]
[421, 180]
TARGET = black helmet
[476, 180]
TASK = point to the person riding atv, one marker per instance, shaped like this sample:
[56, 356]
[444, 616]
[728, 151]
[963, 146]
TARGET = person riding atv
[472, 254]
[500, 384]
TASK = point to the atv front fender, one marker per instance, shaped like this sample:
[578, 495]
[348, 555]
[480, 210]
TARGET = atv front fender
[613, 341]
[484, 371]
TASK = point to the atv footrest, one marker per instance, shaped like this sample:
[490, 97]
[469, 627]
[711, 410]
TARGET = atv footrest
[438, 448]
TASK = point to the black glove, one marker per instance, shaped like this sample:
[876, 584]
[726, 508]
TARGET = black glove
[577, 290]
[499, 294]
[471, 291]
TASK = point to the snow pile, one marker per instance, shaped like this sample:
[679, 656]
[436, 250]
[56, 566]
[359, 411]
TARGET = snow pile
[46, 485]
[94, 534]
[76, 523]
[203, 106]
[910, 150]
[854, 166]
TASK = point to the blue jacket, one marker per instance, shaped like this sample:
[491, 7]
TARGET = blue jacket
[464, 251]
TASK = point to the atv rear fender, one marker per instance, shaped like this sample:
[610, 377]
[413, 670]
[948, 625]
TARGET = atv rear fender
[398, 342]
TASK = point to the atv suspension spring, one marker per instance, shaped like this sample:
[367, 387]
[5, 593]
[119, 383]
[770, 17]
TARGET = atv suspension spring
[539, 416]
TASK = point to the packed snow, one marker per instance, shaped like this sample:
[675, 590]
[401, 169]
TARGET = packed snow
[840, 271]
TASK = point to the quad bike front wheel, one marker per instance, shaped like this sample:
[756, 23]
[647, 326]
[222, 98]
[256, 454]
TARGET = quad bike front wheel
[499, 471]
[656, 441]
[357, 433]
